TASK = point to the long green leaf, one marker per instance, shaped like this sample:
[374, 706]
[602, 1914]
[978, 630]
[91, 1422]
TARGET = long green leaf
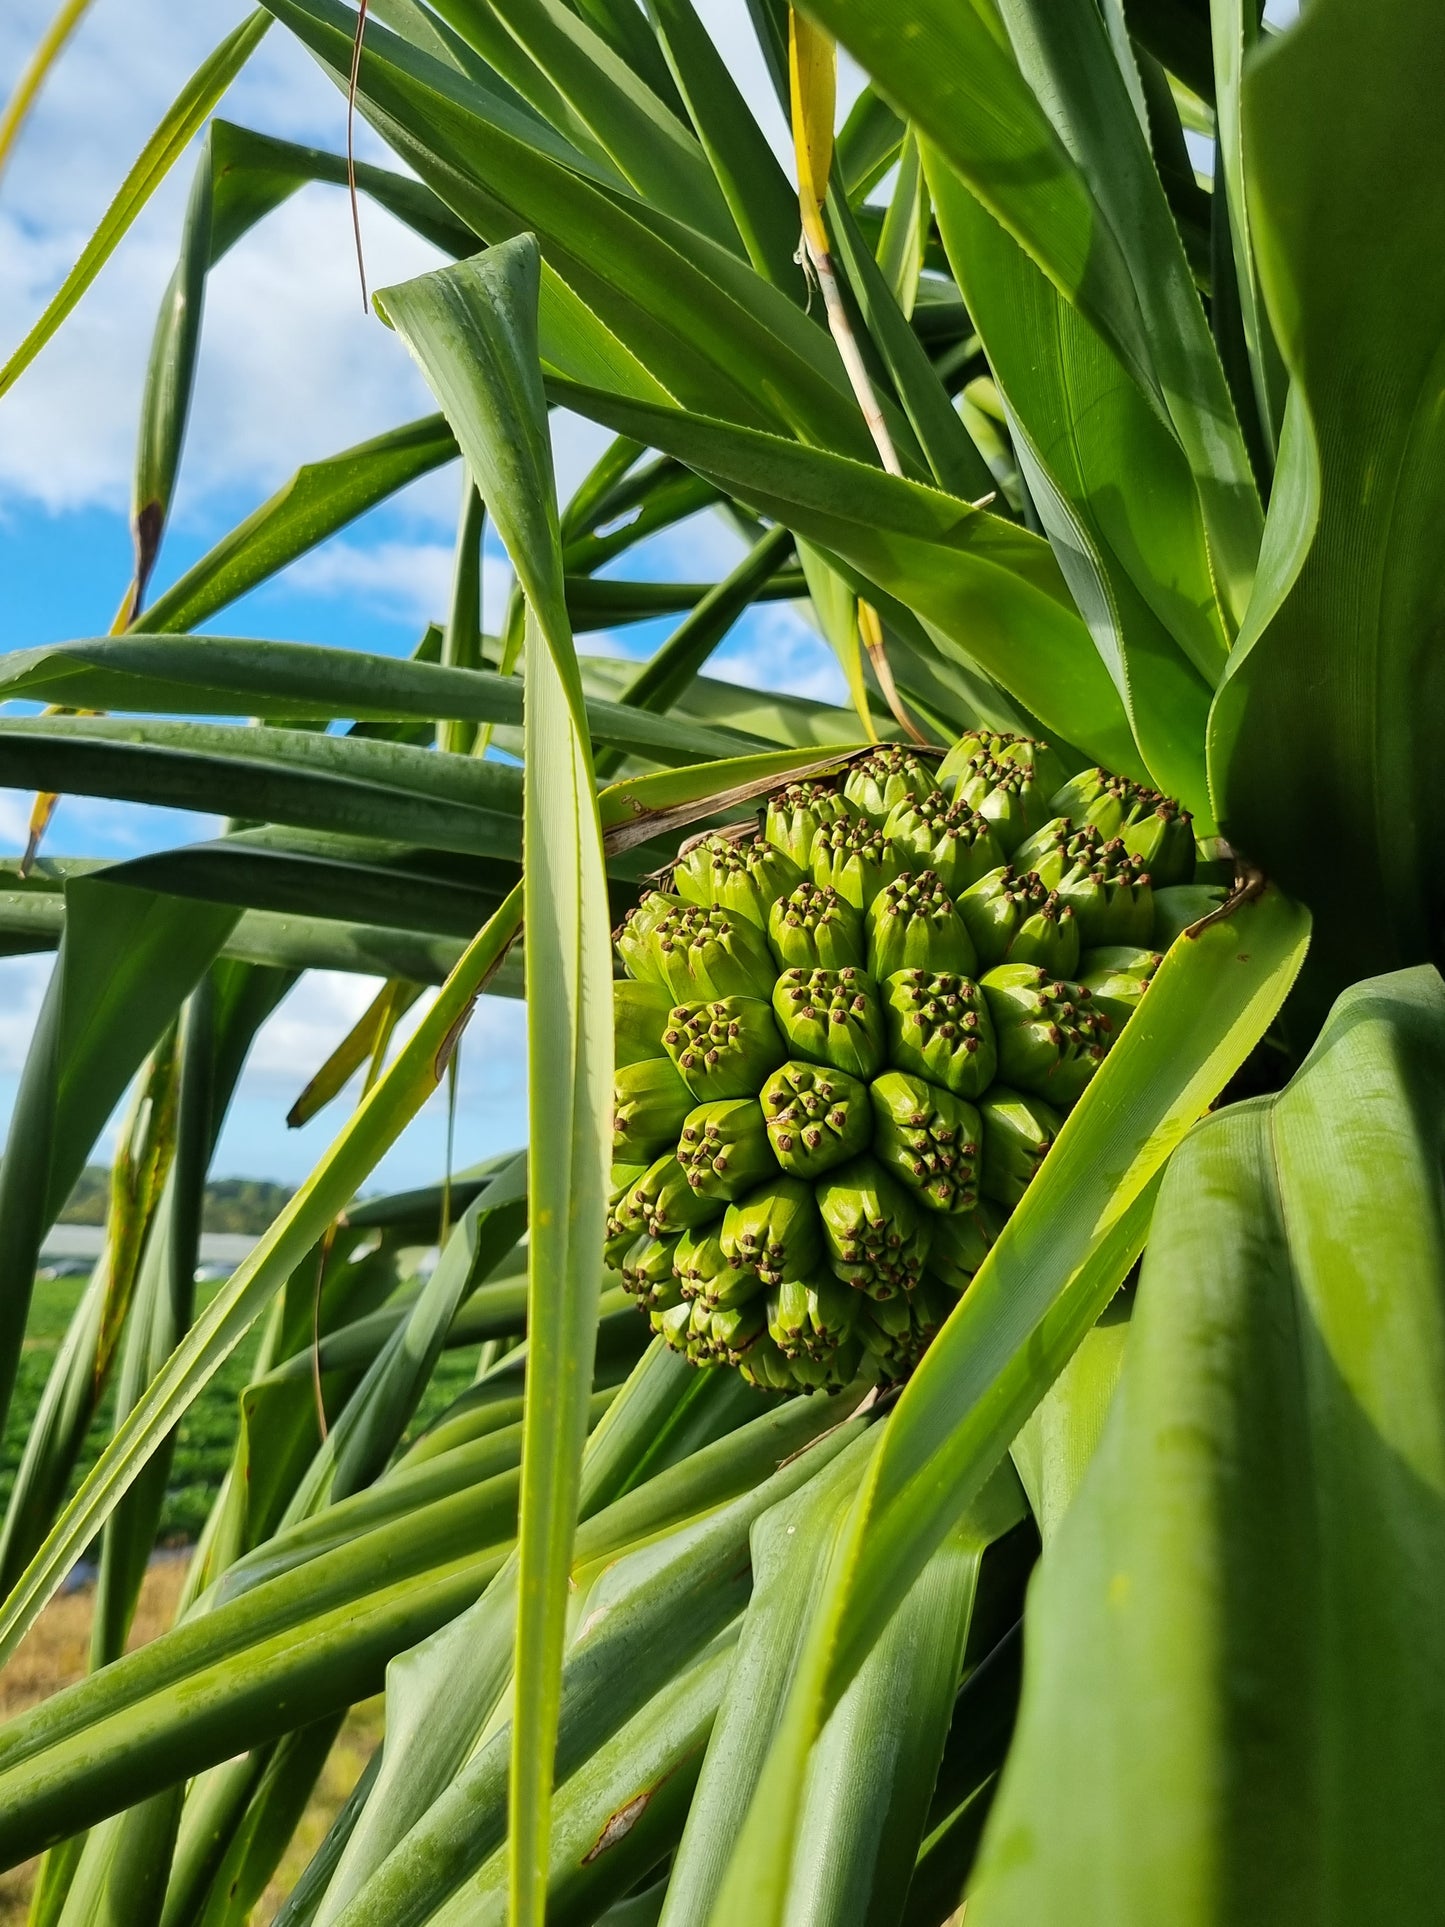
[442, 1696]
[1235, 29]
[647, 1616]
[1059, 1260]
[320, 498]
[1045, 132]
[1326, 739]
[1234, 1675]
[987, 589]
[619, 1814]
[375, 1125]
[757, 191]
[872, 1770]
[1111, 487]
[340, 783]
[275, 681]
[709, 329]
[128, 960]
[361, 882]
[1087, 79]
[653, 150]
[182, 120]
[474, 331]
[790, 1545]
[34, 920]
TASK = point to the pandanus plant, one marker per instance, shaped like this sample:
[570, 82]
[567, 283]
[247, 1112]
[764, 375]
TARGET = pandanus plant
[1076, 1551]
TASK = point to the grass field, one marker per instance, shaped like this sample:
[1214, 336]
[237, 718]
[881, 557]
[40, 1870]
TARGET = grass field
[54, 1655]
[207, 1432]
[55, 1652]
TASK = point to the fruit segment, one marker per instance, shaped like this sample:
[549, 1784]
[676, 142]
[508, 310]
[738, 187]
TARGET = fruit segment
[848, 1035]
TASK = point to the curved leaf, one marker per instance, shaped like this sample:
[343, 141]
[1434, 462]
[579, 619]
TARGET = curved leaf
[1235, 1674]
[377, 1122]
[1058, 1262]
[1111, 487]
[285, 681]
[320, 498]
[986, 588]
[473, 330]
[339, 783]
[1327, 736]
[182, 121]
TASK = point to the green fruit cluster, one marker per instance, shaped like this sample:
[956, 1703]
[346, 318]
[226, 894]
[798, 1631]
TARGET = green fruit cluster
[848, 1036]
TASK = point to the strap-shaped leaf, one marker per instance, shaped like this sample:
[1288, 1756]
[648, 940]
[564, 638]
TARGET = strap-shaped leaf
[704, 324]
[442, 1695]
[1038, 121]
[183, 120]
[1058, 1262]
[1111, 487]
[757, 191]
[473, 329]
[654, 151]
[278, 681]
[986, 588]
[1081, 67]
[647, 1615]
[320, 498]
[1235, 29]
[1235, 1670]
[342, 783]
[1328, 736]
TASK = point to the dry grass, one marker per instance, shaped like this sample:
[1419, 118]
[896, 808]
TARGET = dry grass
[55, 1654]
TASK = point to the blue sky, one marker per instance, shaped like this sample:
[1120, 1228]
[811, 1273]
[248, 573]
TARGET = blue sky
[291, 370]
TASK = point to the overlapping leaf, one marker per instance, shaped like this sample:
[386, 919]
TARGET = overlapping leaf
[1233, 1678]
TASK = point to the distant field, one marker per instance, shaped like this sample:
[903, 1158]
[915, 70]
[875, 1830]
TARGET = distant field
[207, 1432]
[54, 1654]
[230, 1204]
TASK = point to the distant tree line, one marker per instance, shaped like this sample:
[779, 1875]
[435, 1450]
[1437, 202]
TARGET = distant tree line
[231, 1204]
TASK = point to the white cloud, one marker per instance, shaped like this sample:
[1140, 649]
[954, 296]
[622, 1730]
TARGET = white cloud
[22, 985]
[308, 1025]
[291, 368]
[701, 548]
[298, 1037]
[410, 579]
[14, 820]
[776, 650]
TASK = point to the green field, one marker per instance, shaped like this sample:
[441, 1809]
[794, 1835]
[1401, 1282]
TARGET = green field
[208, 1430]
